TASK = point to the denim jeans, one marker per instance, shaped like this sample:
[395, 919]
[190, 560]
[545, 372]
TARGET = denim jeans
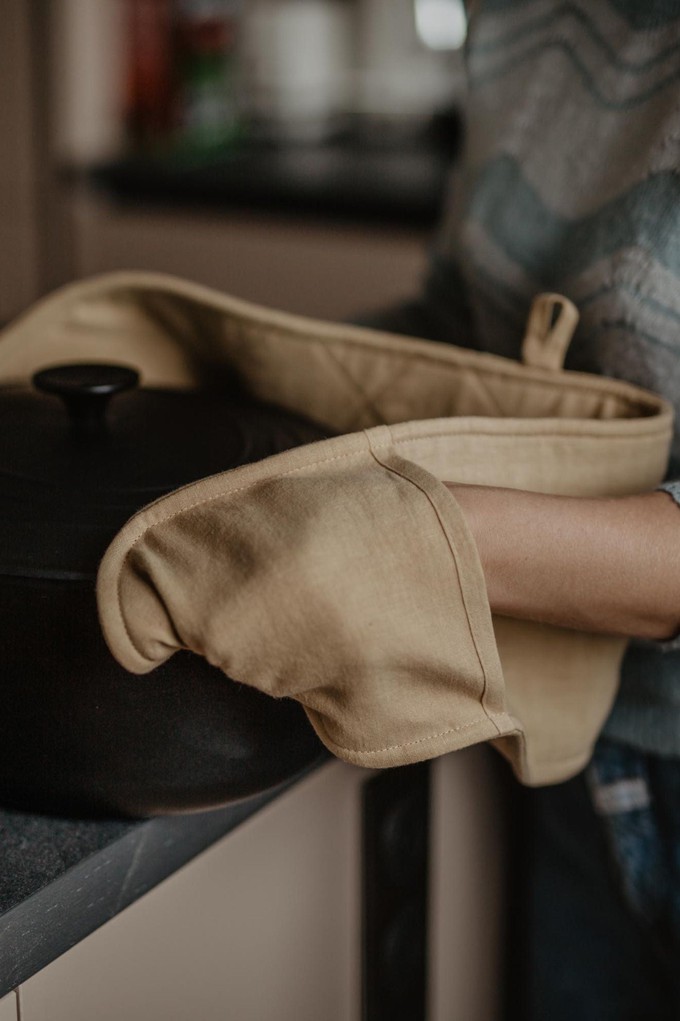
[600, 902]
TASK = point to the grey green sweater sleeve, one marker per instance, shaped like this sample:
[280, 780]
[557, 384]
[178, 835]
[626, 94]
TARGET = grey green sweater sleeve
[672, 488]
[568, 182]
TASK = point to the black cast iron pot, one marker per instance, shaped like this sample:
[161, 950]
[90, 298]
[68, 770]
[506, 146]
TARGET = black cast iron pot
[80, 452]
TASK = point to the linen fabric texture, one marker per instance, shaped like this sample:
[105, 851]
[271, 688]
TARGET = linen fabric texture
[343, 573]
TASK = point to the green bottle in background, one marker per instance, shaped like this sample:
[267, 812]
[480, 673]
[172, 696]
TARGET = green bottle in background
[208, 105]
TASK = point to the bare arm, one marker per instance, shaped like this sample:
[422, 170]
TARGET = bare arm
[602, 565]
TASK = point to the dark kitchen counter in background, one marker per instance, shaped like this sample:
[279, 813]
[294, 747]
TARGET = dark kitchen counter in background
[397, 184]
[61, 879]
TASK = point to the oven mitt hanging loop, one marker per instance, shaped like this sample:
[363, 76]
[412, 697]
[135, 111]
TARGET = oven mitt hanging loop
[550, 327]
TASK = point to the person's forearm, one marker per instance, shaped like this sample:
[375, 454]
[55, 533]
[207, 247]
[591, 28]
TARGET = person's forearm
[602, 565]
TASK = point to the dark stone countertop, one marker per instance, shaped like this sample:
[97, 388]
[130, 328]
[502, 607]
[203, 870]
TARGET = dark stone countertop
[60, 879]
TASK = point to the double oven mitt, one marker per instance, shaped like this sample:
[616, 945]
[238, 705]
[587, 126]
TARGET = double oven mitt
[339, 574]
[343, 574]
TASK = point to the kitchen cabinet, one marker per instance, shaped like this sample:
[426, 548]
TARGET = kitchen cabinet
[8, 1008]
[266, 923]
[263, 925]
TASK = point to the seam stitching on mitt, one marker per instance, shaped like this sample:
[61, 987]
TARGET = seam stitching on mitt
[538, 435]
[461, 588]
[421, 740]
[291, 333]
[304, 331]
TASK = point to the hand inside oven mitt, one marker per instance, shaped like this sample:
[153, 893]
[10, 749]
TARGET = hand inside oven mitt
[337, 574]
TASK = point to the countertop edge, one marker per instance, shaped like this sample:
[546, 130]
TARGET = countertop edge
[65, 911]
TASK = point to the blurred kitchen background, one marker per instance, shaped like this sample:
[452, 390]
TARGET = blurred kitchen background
[293, 152]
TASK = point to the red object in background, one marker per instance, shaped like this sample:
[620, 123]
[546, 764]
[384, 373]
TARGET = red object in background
[150, 94]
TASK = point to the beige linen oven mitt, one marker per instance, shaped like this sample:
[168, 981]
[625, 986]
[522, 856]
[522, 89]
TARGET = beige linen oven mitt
[342, 574]
[338, 574]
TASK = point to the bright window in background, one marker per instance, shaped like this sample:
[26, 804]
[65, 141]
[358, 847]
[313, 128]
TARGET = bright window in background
[441, 24]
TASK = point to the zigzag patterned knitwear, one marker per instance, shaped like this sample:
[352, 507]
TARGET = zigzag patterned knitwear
[570, 182]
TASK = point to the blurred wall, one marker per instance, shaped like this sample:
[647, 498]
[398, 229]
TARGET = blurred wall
[87, 39]
[18, 167]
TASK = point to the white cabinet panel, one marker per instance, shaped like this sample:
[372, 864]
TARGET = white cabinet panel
[265, 925]
[8, 1008]
[466, 892]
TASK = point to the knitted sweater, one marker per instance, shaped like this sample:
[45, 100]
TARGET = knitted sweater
[569, 182]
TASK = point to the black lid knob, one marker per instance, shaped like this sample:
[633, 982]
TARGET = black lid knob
[86, 390]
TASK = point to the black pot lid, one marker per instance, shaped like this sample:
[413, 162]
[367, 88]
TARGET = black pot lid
[85, 448]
